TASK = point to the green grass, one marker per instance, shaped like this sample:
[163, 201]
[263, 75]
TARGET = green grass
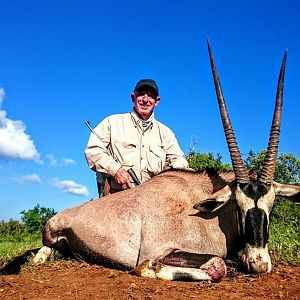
[12, 248]
[284, 242]
[284, 246]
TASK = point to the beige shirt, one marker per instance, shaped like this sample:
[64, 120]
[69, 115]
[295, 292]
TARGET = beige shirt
[125, 142]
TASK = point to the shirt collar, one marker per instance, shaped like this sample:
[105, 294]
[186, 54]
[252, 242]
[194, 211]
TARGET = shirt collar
[139, 121]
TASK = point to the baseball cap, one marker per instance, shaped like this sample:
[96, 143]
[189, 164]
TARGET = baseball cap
[149, 83]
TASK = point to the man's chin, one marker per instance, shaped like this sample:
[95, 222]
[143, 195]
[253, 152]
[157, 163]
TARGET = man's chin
[145, 115]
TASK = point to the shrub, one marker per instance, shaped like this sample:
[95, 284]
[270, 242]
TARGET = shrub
[202, 161]
[34, 219]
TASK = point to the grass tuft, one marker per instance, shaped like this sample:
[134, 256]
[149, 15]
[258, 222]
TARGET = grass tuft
[284, 242]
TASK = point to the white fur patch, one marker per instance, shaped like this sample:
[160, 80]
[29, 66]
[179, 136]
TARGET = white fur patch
[170, 273]
[258, 259]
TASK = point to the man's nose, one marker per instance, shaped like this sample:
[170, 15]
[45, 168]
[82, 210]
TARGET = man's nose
[145, 97]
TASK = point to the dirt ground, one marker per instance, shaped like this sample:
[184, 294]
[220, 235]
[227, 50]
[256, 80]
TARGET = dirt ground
[68, 279]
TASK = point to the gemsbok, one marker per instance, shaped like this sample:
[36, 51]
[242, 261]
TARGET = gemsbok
[180, 225]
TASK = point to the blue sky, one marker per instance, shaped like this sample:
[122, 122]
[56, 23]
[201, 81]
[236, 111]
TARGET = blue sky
[64, 62]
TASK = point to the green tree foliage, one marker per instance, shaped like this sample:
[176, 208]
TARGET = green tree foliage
[10, 228]
[204, 161]
[287, 168]
[32, 222]
[34, 219]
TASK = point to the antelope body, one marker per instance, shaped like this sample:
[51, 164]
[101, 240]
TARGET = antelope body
[180, 223]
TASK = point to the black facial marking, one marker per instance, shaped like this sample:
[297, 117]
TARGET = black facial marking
[255, 189]
[256, 227]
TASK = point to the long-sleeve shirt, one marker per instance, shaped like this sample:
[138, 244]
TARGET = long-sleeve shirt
[148, 147]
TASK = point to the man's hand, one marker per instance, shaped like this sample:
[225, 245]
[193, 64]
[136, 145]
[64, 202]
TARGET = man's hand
[123, 178]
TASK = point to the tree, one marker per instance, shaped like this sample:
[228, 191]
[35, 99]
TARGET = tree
[287, 168]
[34, 219]
[10, 228]
[204, 161]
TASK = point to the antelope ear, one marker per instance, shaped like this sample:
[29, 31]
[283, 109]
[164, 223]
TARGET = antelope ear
[218, 199]
[291, 192]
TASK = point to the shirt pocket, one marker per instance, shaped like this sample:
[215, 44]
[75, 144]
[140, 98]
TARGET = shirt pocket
[156, 158]
[127, 152]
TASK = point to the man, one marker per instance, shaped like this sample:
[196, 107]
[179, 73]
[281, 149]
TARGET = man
[133, 140]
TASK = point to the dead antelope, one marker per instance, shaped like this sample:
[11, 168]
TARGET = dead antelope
[180, 224]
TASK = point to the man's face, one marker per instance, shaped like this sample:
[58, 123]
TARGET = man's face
[144, 102]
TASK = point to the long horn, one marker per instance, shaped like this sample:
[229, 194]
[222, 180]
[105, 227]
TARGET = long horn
[268, 170]
[240, 171]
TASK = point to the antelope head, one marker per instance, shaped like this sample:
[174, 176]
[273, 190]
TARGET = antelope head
[254, 197]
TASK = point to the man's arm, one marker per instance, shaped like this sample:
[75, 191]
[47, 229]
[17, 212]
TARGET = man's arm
[100, 158]
[174, 155]
[97, 153]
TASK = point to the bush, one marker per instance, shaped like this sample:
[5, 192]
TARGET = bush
[34, 219]
[204, 161]
[10, 228]
[16, 236]
[287, 168]
[28, 231]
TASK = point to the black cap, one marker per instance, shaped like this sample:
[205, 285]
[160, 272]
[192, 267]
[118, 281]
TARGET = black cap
[149, 83]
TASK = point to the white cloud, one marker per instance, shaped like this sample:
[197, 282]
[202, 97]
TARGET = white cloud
[70, 187]
[52, 160]
[14, 142]
[67, 161]
[30, 178]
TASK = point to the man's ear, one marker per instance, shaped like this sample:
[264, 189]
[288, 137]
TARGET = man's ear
[216, 201]
[157, 101]
[132, 95]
